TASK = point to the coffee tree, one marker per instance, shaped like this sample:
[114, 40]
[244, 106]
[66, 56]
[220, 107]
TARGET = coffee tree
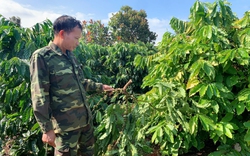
[200, 83]
[188, 93]
[18, 129]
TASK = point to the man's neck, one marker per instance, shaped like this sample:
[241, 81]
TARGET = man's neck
[58, 43]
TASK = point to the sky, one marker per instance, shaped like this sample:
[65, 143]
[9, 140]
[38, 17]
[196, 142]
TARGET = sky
[159, 12]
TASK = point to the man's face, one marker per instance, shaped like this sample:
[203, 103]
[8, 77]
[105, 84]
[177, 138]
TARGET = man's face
[71, 39]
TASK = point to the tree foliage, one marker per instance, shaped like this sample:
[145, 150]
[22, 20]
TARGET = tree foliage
[96, 33]
[131, 26]
[200, 83]
[17, 45]
[19, 133]
[191, 90]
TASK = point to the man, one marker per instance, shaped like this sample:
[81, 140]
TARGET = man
[58, 92]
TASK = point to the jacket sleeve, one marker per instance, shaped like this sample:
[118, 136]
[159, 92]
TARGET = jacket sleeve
[40, 85]
[90, 85]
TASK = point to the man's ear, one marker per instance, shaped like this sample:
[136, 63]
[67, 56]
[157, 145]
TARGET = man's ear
[61, 33]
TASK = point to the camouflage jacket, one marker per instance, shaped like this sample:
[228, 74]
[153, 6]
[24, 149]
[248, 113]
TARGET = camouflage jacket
[58, 90]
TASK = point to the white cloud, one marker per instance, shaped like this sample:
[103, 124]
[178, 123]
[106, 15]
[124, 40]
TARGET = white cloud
[159, 27]
[81, 16]
[105, 21]
[29, 17]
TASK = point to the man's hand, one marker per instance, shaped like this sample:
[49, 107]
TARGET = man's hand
[108, 89]
[49, 137]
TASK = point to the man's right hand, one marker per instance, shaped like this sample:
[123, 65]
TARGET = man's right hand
[49, 138]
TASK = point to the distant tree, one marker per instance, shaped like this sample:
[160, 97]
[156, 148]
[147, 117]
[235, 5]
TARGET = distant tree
[16, 20]
[96, 32]
[129, 25]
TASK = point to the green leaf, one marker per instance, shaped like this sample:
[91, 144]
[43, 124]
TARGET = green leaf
[222, 8]
[23, 87]
[195, 69]
[247, 124]
[203, 90]
[119, 117]
[109, 122]
[153, 139]
[244, 94]
[169, 133]
[15, 94]
[228, 117]
[215, 106]
[203, 103]
[152, 129]
[244, 56]
[224, 56]
[182, 91]
[219, 129]
[17, 34]
[193, 124]
[8, 97]
[209, 92]
[222, 88]
[232, 80]
[209, 32]
[231, 70]
[13, 116]
[98, 116]
[192, 82]
[248, 106]
[215, 90]
[209, 70]
[218, 153]
[241, 23]
[26, 115]
[22, 69]
[240, 108]
[206, 122]
[35, 127]
[228, 132]
[159, 134]
[104, 136]
[8, 67]
[133, 150]
[194, 90]
[243, 52]
[247, 136]
[112, 152]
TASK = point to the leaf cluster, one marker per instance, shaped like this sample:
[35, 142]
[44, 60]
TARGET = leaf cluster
[190, 90]
[200, 83]
[18, 127]
[129, 25]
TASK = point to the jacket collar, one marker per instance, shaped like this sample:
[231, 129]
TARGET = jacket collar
[56, 49]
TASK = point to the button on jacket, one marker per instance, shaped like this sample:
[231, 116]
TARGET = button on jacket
[58, 90]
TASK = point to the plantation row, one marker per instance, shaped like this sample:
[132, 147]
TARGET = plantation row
[189, 92]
